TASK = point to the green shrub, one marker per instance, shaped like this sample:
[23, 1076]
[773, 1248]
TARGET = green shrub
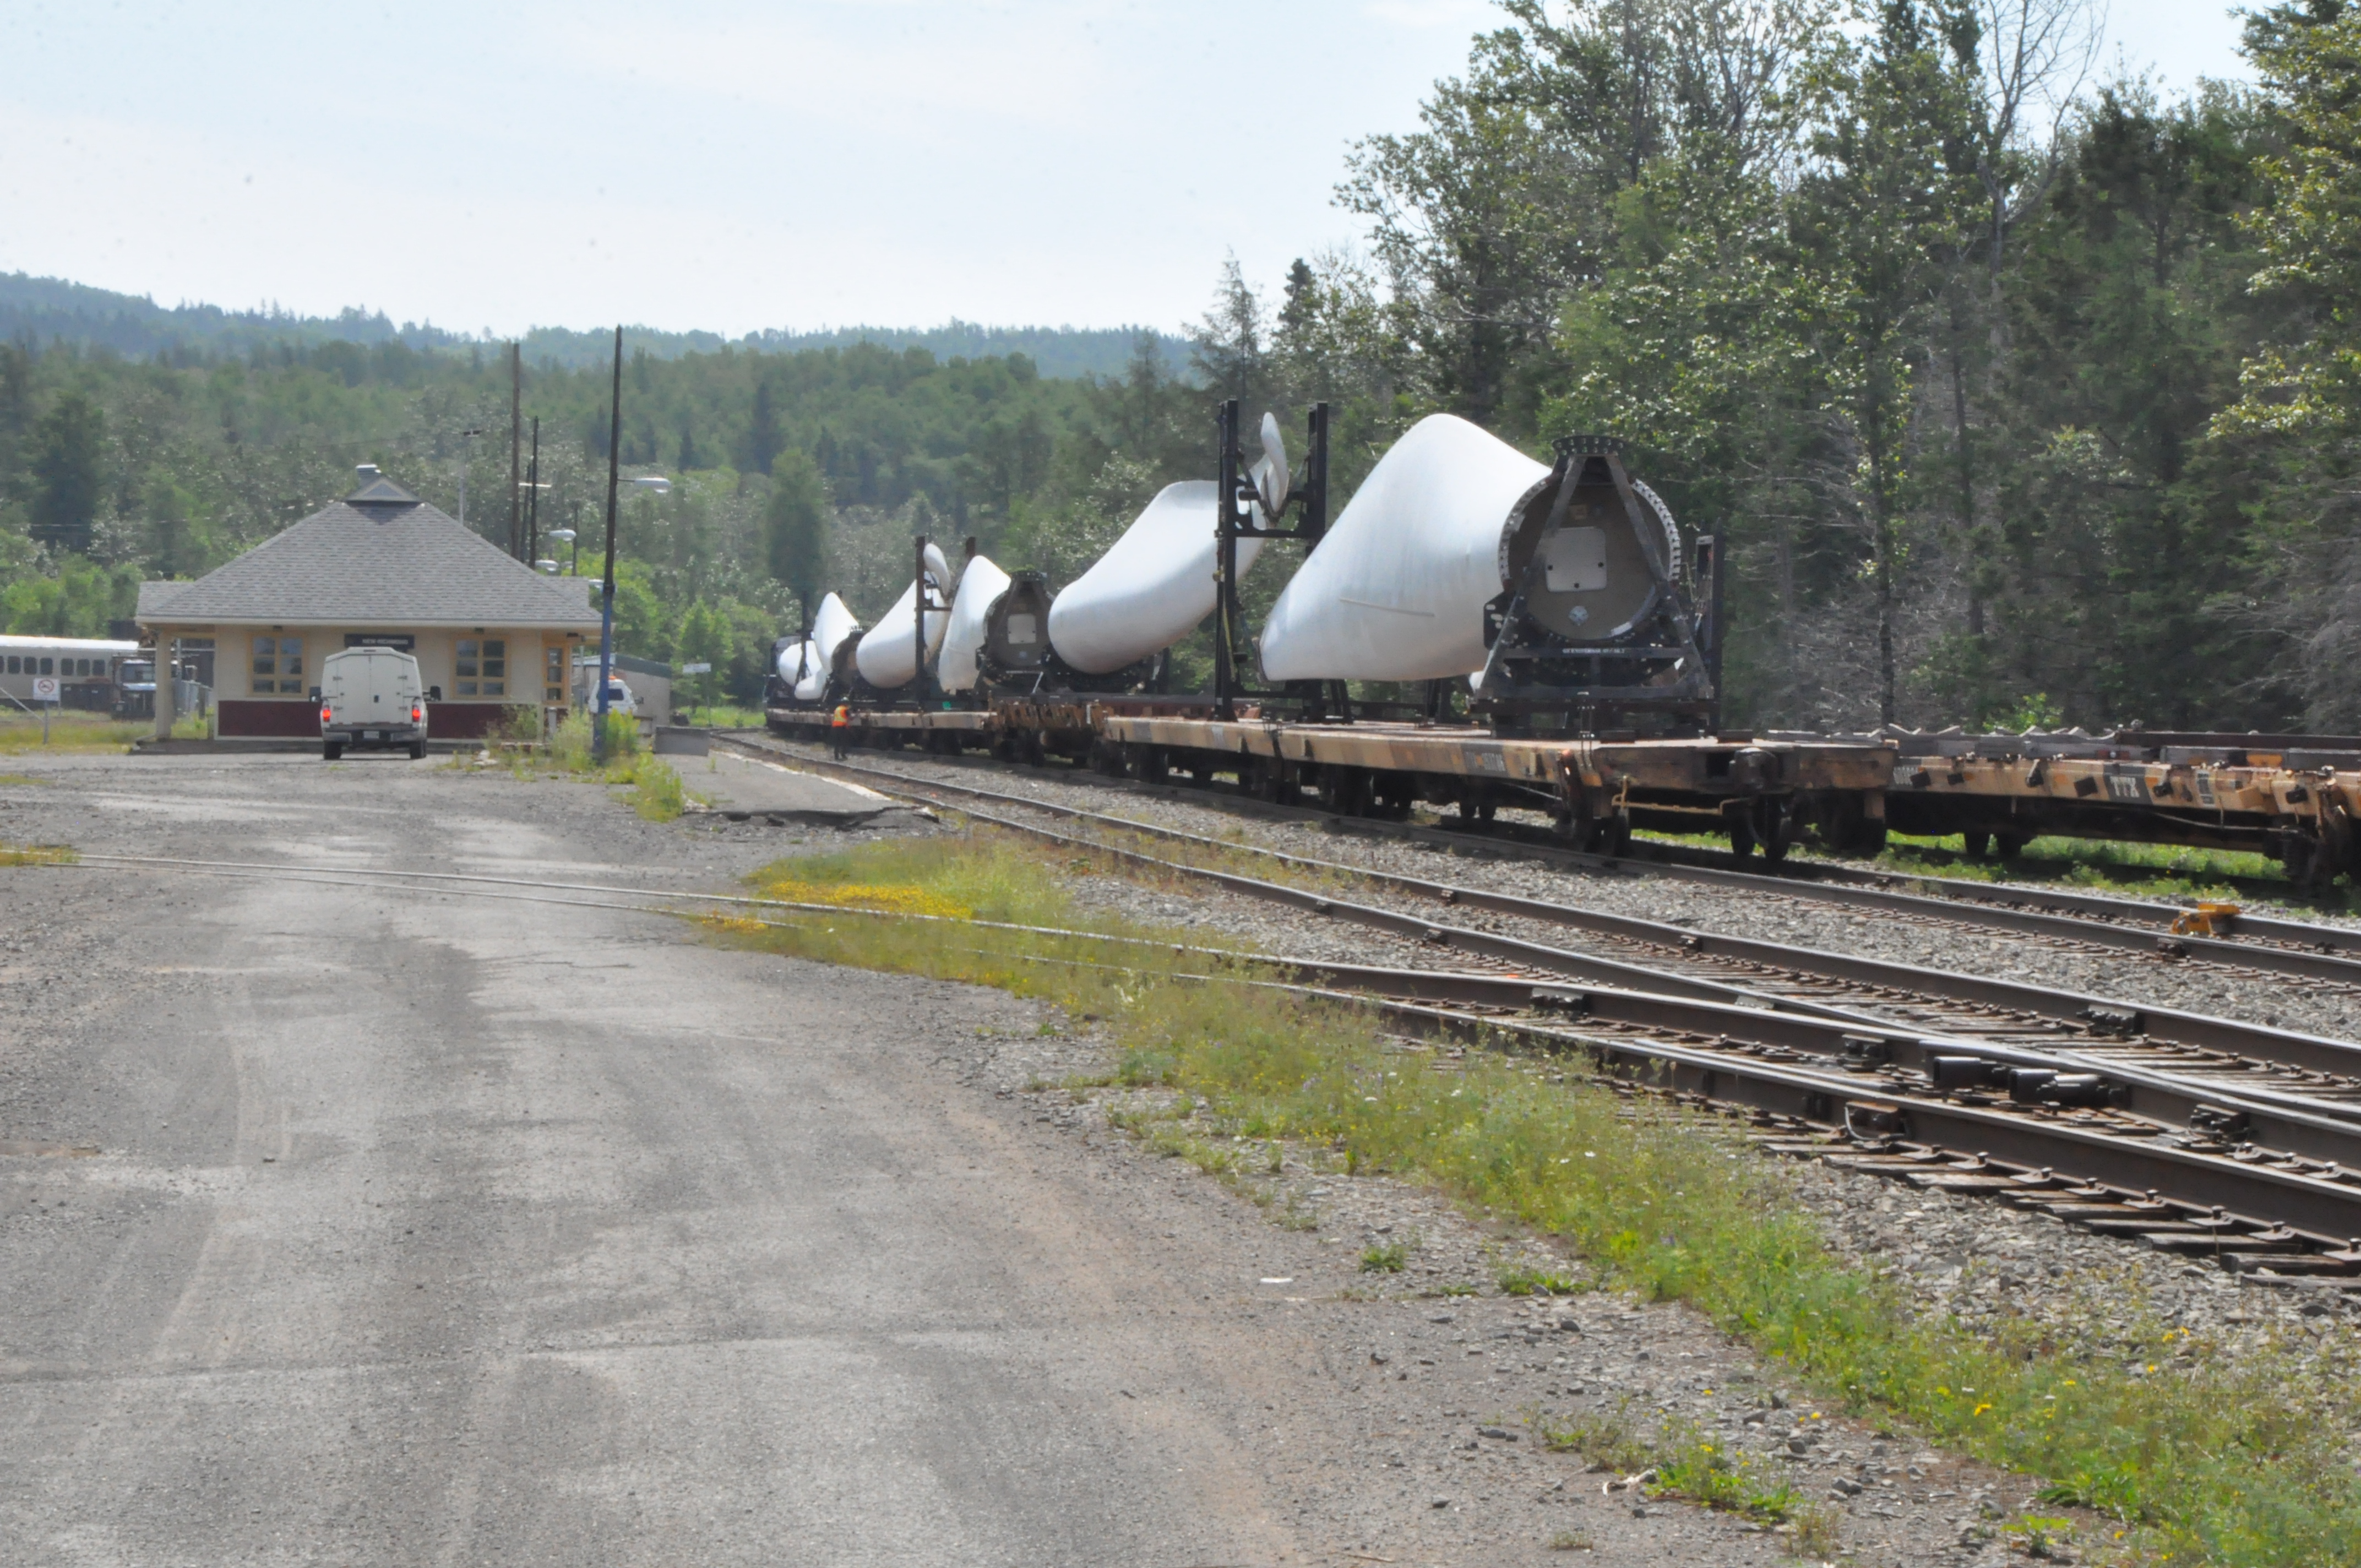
[656, 794]
[569, 743]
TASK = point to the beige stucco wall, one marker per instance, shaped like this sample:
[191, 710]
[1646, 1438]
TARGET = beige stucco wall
[437, 649]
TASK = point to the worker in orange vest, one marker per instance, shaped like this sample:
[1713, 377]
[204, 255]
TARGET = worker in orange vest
[838, 723]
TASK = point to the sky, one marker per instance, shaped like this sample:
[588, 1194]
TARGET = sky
[730, 165]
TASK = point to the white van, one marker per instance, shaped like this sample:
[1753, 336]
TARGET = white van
[371, 700]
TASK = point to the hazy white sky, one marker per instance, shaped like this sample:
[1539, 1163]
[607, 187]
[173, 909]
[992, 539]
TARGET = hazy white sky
[724, 163]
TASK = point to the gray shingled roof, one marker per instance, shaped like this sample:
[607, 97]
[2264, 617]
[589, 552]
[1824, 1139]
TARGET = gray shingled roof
[380, 557]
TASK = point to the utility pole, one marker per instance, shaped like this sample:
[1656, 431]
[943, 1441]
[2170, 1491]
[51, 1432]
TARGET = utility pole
[516, 440]
[466, 450]
[607, 609]
[532, 504]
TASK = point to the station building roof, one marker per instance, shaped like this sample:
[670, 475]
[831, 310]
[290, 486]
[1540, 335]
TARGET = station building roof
[378, 557]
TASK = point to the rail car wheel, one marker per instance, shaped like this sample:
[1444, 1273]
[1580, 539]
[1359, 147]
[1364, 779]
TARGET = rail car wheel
[2008, 846]
[1843, 823]
[1147, 764]
[1265, 778]
[1614, 836]
[1345, 791]
[1774, 826]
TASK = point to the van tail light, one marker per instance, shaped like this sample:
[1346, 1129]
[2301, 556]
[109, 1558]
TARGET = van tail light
[323, 712]
[417, 714]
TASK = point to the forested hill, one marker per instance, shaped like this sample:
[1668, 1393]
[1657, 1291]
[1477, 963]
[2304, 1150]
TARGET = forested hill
[793, 472]
[46, 312]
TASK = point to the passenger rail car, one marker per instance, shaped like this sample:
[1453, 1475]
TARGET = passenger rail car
[87, 670]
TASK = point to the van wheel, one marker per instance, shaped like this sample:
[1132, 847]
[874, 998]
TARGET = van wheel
[417, 750]
[330, 750]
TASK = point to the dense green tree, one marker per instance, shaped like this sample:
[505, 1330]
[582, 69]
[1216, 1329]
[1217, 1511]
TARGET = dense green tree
[762, 439]
[2301, 411]
[80, 600]
[68, 445]
[704, 638]
[795, 527]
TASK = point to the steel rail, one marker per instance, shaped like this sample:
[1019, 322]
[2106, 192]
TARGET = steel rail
[2233, 1038]
[2115, 1152]
[2288, 946]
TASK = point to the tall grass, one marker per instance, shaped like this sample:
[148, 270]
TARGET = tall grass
[722, 716]
[69, 730]
[2164, 871]
[2199, 1455]
[657, 793]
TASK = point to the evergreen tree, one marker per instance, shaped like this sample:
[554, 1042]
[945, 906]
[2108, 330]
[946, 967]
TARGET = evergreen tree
[69, 445]
[1225, 348]
[795, 526]
[762, 441]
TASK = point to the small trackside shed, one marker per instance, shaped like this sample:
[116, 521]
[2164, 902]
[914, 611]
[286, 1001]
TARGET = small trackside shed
[379, 567]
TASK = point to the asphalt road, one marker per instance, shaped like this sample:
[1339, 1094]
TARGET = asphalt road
[438, 1229]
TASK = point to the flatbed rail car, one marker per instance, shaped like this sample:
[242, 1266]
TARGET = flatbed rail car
[2291, 797]
[1760, 792]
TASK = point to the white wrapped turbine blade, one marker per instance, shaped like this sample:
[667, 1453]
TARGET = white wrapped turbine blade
[884, 655]
[833, 625]
[796, 663]
[813, 680]
[1272, 480]
[1395, 590]
[980, 588]
[830, 627]
[1150, 590]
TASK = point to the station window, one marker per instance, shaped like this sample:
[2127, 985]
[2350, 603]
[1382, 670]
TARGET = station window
[552, 679]
[483, 667]
[278, 666]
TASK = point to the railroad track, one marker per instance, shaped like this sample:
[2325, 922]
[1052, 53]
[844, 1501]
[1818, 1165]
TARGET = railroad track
[1807, 1082]
[2004, 1009]
[2205, 1084]
[2264, 945]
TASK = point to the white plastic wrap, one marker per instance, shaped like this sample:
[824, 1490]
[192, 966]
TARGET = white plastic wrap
[831, 625]
[884, 655]
[1150, 590]
[796, 663]
[980, 586]
[1396, 591]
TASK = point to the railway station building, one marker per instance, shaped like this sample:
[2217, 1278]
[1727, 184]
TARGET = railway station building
[378, 568]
